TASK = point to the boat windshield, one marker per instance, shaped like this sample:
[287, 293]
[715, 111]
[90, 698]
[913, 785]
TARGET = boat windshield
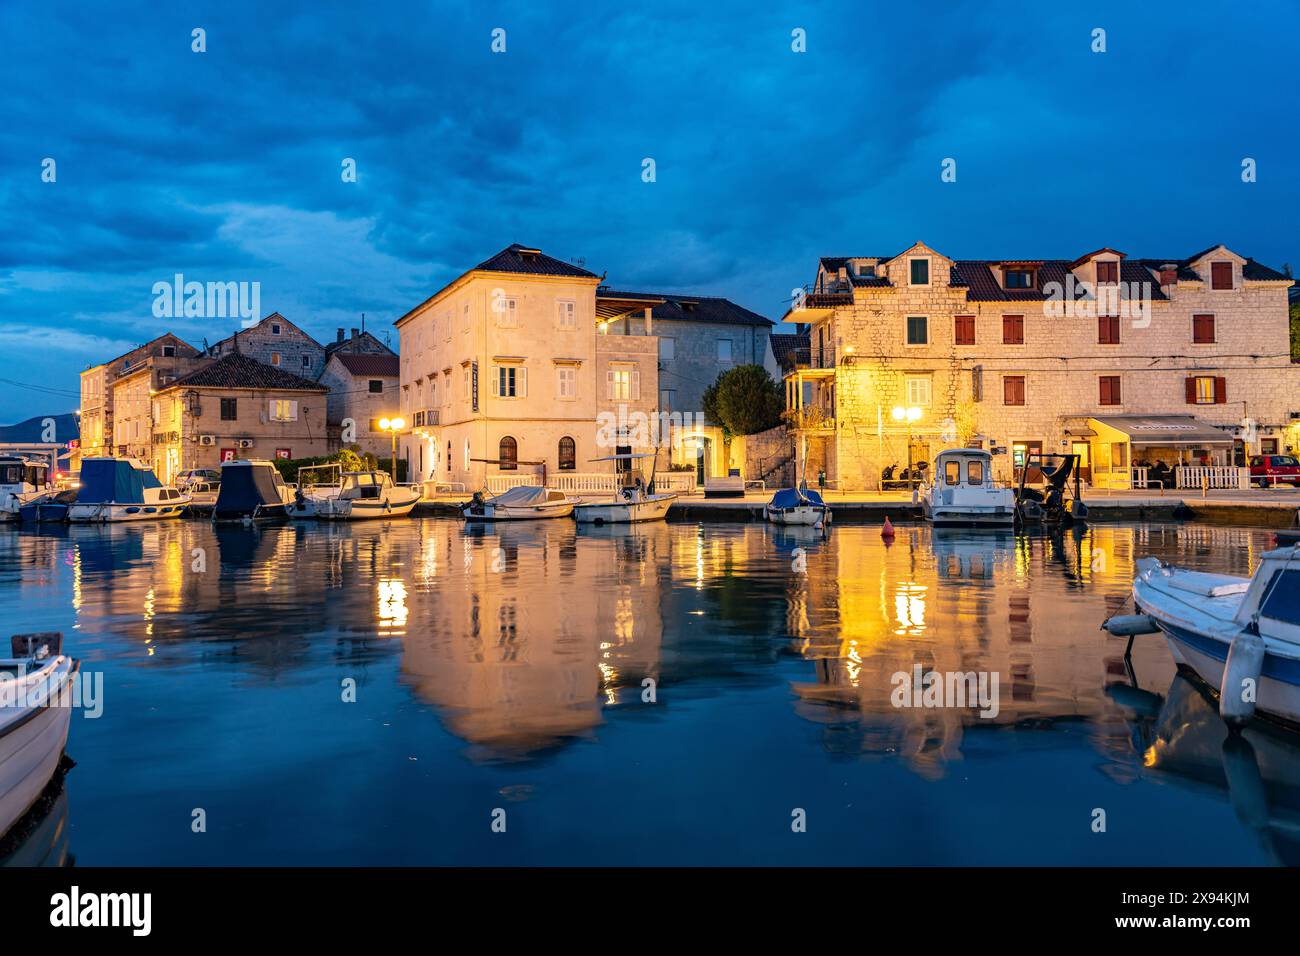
[1282, 600]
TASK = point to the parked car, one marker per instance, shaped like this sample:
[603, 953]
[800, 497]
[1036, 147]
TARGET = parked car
[1267, 470]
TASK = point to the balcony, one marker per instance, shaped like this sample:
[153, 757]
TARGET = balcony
[426, 418]
[810, 419]
[813, 358]
[818, 305]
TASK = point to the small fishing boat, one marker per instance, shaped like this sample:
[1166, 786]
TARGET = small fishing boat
[1241, 635]
[635, 500]
[364, 494]
[49, 508]
[521, 503]
[203, 494]
[315, 483]
[251, 491]
[123, 489]
[1052, 504]
[21, 480]
[35, 711]
[964, 492]
[797, 506]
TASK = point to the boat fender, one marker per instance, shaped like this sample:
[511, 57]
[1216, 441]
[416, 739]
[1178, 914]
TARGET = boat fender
[888, 530]
[1240, 689]
[1126, 625]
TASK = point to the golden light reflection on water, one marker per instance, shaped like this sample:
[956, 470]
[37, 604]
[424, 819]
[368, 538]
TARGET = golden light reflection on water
[521, 637]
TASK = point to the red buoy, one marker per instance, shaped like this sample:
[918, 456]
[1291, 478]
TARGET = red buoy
[888, 530]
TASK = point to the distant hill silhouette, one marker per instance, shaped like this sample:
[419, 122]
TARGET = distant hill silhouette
[65, 428]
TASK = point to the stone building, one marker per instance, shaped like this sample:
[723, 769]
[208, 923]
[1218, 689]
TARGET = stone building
[363, 388]
[98, 432]
[236, 407]
[277, 342]
[1124, 361]
[514, 362]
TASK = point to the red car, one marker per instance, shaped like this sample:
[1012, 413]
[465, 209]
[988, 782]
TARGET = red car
[1269, 470]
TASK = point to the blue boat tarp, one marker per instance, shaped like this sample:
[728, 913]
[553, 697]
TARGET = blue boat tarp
[114, 479]
[791, 498]
[245, 489]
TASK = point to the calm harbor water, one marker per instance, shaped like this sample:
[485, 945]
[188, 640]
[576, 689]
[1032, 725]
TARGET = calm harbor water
[504, 669]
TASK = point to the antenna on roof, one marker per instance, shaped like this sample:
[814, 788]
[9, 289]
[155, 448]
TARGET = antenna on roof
[363, 323]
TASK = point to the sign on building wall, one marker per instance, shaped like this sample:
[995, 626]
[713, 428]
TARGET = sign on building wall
[283, 453]
[228, 454]
[473, 387]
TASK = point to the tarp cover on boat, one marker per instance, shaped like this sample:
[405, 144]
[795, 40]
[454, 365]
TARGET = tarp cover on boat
[521, 496]
[114, 479]
[790, 498]
[244, 488]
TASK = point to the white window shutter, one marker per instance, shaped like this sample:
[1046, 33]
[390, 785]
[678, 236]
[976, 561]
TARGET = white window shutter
[293, 411]
[270, 413]
[609, 383]
[496, 381]
[636, 385]
[521, 388]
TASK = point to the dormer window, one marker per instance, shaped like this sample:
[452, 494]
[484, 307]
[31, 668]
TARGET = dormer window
[1220, 275]
[920, 271]
[1019, 278]
[1107, 272]
[866, 270]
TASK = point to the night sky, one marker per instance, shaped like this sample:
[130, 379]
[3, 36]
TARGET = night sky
[226, 165]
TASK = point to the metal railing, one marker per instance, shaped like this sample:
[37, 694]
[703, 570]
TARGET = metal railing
[590, 483]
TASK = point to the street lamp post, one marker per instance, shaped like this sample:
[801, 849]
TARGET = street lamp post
[393, 426]
[908, 415]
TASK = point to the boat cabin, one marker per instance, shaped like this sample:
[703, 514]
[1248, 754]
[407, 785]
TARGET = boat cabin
[1273, 599]
[972, 467]
[23, 474]
[365, 484]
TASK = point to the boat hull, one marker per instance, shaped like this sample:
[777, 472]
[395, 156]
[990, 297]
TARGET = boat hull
[362, 509]
[800, 515]
[969, 517]
[31, 746]
[624, 512]
[490, 512]
[111, 511]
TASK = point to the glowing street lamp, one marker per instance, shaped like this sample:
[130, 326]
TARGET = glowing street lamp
[393, 426]
[909, 414]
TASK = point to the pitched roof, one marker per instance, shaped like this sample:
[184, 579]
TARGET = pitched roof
[239, 371]
[976, 275]
[273, 317]
[530, 261]
[333, 347]
[368, 364]
[787, 347]
[692, 308]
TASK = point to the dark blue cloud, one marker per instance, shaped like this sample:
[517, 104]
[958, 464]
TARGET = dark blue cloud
[225, 165]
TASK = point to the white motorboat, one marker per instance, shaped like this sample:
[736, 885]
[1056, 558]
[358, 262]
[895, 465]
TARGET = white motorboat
[35, 711]
[123, 489]
[964, 492]
[203, 494]
[21, 480]
[315, 484]
[1241, 635]
[521, 503]
[251, 491]
[797, 506]
[635, 499]
[365, 494]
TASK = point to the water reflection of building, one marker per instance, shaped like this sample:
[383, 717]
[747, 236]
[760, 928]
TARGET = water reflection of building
[528, 630]
[1027, 608]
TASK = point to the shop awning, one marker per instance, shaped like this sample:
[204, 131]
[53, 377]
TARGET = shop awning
[1169, 430]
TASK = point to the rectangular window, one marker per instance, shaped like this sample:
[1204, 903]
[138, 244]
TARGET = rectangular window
[566, 314]
[284, 410]
[1013, 330]
[168, 351]
[724, 351]
[918, 329]
[465, 382]
[666, 399]
[964, 329]
[620, 383]
[920, 271]
[566, 379]
[1207, 390]
[1110, 394]
[511, 381]
[1019, 278]
[229, 409]
[1107, 272]
[507, 310]
[1203, 329]
[376, 386]
[667, 349]
[306, 361]
[1220, 275]
[918, 390]
[1108, 330]
[275, 328]
[1013, 390]
[275, 358]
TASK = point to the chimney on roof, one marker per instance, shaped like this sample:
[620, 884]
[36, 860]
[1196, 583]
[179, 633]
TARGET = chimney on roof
[1168, 274]
[338, 335]
[354, 333]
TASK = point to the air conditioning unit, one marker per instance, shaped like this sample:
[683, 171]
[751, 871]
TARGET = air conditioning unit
[207, 439]
[245, 443]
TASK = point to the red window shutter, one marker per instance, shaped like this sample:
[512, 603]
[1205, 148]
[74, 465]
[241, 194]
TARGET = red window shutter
[1203, 329]
[1108, 330]
[1220, 390]
[1220, 275]
[1013, 330]
[965, 329]
[1190, 384]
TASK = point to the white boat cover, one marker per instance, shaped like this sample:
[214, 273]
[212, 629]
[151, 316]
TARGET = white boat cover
[521, 496]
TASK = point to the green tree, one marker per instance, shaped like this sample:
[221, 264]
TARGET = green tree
[744, 400]
[1295, 331]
